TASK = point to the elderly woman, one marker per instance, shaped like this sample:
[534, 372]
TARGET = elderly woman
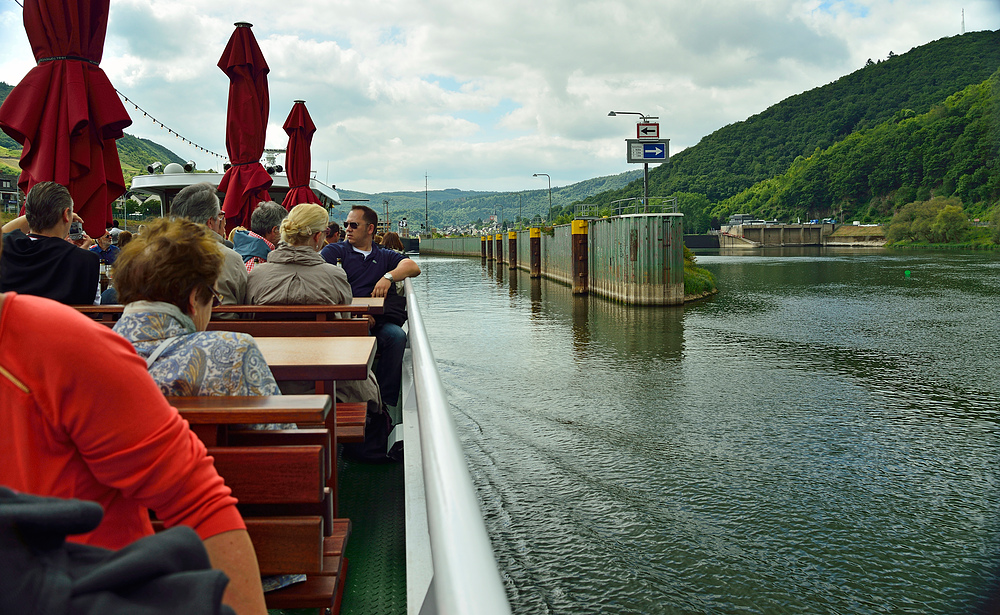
[295, 274]
[166, 279]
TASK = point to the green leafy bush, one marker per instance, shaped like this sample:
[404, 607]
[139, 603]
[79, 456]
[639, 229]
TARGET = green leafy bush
[939, 220]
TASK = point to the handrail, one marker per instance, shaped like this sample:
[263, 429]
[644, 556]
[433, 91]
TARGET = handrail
[466, 578]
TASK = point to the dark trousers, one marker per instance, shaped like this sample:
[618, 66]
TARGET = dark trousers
[391, 341]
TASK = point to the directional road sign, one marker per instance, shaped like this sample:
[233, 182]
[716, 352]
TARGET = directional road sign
[648, 151]
[647, 130]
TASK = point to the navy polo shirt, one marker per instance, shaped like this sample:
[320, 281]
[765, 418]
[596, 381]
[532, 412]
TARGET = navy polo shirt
[362, 273]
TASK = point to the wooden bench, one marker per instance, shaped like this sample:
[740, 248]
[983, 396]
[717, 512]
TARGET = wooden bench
[281, 483]
[293, 328]
[362, 305]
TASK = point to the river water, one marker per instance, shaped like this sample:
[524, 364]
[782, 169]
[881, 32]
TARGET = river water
[822, 436]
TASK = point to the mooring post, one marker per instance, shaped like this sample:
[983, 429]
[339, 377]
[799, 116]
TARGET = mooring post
[580, 265]
[482, 246]
[535, 252]
[498, 250]
[489, 247]
[512, 249]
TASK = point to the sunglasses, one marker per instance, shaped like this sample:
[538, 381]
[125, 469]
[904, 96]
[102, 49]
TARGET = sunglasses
[351, 225]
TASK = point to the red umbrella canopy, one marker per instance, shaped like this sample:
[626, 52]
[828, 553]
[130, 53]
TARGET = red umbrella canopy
[300, 129]
[65, 113]
[246, 182]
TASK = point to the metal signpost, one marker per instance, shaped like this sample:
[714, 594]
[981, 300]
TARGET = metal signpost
[645, 148]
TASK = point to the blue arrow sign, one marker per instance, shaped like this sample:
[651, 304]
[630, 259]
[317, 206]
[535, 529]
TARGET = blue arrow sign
[654, 151]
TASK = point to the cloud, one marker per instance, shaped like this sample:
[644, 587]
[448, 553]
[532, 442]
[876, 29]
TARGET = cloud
[481, 94]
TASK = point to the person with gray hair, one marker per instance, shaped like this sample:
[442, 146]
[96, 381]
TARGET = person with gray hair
[37, 260]
[200, 203]
[265, 231]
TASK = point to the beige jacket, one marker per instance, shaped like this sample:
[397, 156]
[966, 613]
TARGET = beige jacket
[297, 275]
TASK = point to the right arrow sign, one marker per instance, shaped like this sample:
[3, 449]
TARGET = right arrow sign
[648, 151]
[654, 151]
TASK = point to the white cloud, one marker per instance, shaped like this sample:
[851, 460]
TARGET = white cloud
[481, 94]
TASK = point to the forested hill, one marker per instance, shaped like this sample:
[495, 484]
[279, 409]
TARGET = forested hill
[740, 155]
[952, 150]
[6, 141]
[135, 153]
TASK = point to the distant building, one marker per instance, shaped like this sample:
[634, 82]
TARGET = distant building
[8, 193]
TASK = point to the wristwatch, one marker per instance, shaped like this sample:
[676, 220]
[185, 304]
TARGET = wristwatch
[389, 277]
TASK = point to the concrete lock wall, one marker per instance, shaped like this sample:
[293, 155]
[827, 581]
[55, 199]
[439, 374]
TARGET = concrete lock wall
[636, 259]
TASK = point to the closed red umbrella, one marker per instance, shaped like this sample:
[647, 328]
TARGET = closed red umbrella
[245, 182]
[298, 159]
[65, 113]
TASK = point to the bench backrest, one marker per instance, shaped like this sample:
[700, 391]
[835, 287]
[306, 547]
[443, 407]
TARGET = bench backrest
[294, 328]
[273, 312]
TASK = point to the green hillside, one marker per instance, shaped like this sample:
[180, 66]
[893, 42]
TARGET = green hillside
[951, 150]
[459, 207]
[736, 157]
[135, 153]
[5, 141]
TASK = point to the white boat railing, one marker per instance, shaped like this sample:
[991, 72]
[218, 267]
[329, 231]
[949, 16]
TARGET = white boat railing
[464, 577]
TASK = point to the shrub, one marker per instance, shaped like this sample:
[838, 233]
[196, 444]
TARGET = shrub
[939, 220]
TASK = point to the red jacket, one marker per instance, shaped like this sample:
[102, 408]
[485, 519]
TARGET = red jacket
[81, 418]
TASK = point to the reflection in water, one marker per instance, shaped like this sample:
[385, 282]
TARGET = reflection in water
[820, 437]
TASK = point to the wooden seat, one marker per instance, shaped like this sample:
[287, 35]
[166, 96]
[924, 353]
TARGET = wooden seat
[210, 417]
[365, 305]
[294, 328]
[280, 481]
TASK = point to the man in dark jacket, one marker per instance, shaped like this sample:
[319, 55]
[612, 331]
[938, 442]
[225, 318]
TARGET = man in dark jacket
[42, 262]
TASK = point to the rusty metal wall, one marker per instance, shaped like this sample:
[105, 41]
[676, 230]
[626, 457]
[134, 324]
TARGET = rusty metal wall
[638, 259]
[557, 254]
[524, 250]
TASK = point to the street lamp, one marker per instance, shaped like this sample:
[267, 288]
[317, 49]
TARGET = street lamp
[645, 166]
[550, 192]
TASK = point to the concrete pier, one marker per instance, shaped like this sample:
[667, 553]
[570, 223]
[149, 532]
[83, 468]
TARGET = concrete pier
[635, 259]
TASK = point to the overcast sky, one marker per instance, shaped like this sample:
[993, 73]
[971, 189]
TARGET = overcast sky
[481, 94]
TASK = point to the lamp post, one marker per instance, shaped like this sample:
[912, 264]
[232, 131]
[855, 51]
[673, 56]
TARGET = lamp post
[645, 166]
[550, 192]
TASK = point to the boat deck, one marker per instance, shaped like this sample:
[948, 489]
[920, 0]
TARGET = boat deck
[371, 495]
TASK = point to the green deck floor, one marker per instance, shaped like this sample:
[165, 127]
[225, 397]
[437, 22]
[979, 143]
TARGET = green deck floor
[371, 496]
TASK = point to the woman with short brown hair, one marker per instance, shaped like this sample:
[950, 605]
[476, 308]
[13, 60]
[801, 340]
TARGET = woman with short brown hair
[166, 278]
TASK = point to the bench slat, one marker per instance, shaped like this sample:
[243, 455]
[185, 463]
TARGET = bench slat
[317, 592]
[283, 437]
[283, 545]
[273, 474]
[323, 509]
[293, 328]
[287, 545]
[310, 409]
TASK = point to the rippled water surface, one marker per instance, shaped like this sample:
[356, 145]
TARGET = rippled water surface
[820, 437]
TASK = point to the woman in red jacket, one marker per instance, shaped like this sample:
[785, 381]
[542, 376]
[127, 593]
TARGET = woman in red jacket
[94, 426]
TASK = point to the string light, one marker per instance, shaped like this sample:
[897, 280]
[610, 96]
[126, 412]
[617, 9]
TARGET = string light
[171, 131]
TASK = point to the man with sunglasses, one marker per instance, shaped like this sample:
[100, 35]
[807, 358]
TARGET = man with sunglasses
[373, 272]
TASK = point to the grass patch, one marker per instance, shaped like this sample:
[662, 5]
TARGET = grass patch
[697, 281]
